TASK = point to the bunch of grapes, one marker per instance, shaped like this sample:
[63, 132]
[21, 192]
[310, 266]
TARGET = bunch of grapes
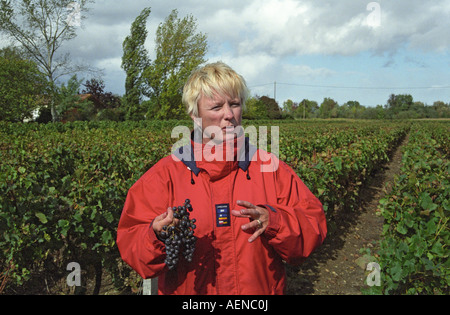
[179, 236]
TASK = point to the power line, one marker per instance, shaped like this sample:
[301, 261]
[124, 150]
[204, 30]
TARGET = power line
[355, 87]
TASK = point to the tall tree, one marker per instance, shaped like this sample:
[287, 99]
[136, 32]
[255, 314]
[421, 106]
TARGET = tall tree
[289, 107]
[328, 108]
[134, 61]
[179, 49]
[307, 109]
[41, 27]
[399, 103]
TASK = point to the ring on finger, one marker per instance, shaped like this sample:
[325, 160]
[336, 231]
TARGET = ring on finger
[259, 223]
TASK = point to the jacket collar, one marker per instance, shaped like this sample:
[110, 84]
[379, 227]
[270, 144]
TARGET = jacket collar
[188, 154]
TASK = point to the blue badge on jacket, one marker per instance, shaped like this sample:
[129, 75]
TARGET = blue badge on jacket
[223, 215]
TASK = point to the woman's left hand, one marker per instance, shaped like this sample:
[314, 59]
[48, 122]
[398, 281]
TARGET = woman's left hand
[259, 218]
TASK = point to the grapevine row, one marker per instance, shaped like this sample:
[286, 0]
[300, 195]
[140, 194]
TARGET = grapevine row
[414, 254]
[336, 161]
[62, 187]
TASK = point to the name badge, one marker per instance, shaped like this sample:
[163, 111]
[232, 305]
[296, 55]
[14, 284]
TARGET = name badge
[223, 215]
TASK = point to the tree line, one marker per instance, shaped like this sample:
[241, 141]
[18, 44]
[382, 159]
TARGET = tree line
[398, 106]
[31, 68]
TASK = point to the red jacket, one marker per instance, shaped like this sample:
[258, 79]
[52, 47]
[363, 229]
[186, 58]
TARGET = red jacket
[224, 261]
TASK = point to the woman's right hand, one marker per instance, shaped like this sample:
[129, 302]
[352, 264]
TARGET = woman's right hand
[164, 219]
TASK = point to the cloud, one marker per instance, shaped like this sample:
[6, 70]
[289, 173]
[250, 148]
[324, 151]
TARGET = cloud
[251, 66]
[305, 71]
[288, 41]
[277, 28]
[431, 31]
[289, 27]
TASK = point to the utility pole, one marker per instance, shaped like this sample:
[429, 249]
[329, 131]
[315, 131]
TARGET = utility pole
[275, 90]
[304, 109]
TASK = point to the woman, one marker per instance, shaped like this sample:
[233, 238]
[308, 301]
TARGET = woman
[248, 221]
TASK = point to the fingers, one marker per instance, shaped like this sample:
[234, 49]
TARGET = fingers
[259, 218]
[164, 219]
[257, 226]
[255, 235]
[244, 213]
[249, 211]
[246, 204]
[168, 218]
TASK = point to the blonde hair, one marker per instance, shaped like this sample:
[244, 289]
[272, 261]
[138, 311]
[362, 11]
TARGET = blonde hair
[211, 79]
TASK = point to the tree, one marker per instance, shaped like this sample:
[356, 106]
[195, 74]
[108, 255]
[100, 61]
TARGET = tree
[22, 87]
[255, 109]
[12, 53]
[352, 109]
[306, 109]
[41, 27]
[381, 113]
[289, 108]
[107, 105]
[441, 109]
[399, 103]
[328, 108]
[272, 108]
[71, 106]
[179, 50]
[134, 61]
[103, 100]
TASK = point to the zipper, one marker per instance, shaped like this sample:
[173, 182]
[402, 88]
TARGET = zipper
[233, 180]
[214, 240]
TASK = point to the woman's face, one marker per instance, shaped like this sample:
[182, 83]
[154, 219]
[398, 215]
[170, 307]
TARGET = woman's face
[221, 113]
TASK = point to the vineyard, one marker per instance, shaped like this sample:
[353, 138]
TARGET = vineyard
[63, 186]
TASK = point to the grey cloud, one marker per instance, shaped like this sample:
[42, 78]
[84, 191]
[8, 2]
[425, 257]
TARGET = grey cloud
[277, 27]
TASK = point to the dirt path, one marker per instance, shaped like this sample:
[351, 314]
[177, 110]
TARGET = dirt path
[338, 266]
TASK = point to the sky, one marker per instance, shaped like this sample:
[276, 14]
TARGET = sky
[346, 50]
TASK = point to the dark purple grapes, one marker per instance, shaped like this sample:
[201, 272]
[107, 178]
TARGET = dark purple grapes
[180, 239]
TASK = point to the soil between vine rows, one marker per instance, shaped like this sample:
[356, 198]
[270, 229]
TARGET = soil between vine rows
[338, 267]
